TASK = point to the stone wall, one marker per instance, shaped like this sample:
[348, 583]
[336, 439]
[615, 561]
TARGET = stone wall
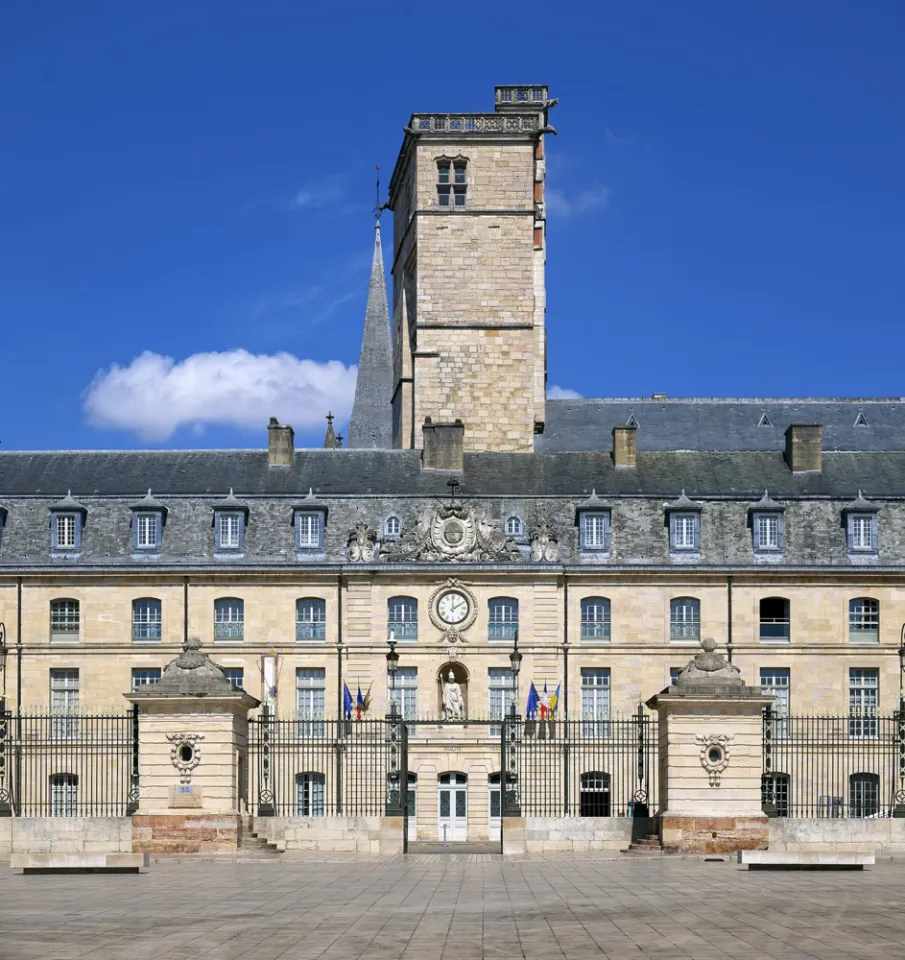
[838, 835]
[371, 835]
[584, 834]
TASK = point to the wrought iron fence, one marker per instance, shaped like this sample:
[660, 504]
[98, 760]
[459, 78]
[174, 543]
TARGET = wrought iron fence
[573, 768]
[309, 768]
[844, 766]
[69, 764]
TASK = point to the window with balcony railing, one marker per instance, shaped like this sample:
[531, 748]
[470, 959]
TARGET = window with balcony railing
[229, 619]
[64, 621]
[774, 620]
[402, 618]
[311, 619]
[503, 618]
[595, 619]
[685, 619]
[864, 620]
[146, 619]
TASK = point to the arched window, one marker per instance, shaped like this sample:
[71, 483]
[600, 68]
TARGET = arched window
[503, 618]
[310, 619]
[774, 788]
[594, 794]
[393, 527]
[402, 618]
[595, 618]
[229, 619]
[864, 620]
[64, 620]
[864, 794]
[64, 795]
[146, 619]
[514, 527]
[685, 619]
[310, 794]
[774, 619]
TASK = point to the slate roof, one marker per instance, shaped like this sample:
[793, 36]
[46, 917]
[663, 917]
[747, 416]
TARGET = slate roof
[722, 424]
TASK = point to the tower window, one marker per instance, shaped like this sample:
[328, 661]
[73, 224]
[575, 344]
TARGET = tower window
[459, 172]
[452, 182]
[443, 173]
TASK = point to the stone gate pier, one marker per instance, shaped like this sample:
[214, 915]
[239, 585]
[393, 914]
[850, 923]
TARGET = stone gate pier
[193, 745]
[711, 758]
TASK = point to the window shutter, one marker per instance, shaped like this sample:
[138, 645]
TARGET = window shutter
[241, 531]
[606, 531]
[780, 520]
[78, 530]
[53, 532]
[697, 532]
[848, 531]
[874, 544]
[158, 529]
[672, 531]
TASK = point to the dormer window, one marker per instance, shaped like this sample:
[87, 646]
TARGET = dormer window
[230, 521]
[767, 525]
[309, 517]
[3, 515]
[684, 525]
[514, 527]
[452, 182]
[593, 518]
[67, 517]
[393, 527]
[861, 525]
[148, 516]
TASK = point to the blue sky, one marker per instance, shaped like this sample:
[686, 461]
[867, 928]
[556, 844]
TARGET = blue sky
[194, 181]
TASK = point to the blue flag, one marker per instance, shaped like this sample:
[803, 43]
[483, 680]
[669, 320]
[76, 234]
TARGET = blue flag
[533, 700]
[347, 700]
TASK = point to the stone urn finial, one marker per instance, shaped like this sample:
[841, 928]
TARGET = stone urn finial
[709, 667]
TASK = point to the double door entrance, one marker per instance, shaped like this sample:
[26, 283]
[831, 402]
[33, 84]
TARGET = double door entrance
[453, 807]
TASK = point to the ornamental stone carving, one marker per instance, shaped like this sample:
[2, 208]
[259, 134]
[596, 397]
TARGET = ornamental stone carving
[362, 543]
[452, 532]
[185, 753]
[715, 754]
[544, 545]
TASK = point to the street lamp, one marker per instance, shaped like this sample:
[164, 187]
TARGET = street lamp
[2, 667]
[392, 665]
[901, 660]
[515, 664]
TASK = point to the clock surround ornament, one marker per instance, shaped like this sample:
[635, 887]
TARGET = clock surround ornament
[445, 609]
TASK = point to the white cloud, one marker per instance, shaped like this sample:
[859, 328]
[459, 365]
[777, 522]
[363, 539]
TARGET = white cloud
[562, 393]
[585, 201]
[326, 192]
[153, 396]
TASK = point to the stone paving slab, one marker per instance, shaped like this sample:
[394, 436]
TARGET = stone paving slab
[459, 907]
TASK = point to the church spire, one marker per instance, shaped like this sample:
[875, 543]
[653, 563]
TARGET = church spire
[371, 424]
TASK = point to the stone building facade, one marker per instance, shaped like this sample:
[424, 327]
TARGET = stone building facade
[609, 536]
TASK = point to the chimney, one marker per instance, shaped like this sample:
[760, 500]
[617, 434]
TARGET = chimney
[625, 447]
[280, 444]
[443, 445]
[804, 447]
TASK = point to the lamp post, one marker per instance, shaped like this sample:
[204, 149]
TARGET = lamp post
[392, 665]
[2, 668]
[899, 809]
[509, 742]
[515, 664]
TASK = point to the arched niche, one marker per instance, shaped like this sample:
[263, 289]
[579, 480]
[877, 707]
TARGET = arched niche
[460, 675]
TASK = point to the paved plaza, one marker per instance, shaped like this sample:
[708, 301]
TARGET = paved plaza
[443, 908]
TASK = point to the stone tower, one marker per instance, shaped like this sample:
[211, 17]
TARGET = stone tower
[467, 195]
[371, 423]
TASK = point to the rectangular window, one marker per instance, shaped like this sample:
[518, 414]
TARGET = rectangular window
[402, 618]
[674, 674]
[144, 676]
[311, 619]
[146, 531]
[64, 704]
[595, 701]
[311, 693]
[65, 526]
[595, 531]
[684, 526]
[229, 531]
[767, 532]
[685, 619]
[443, 196]
[310, 788]
[503, 617]
[406, 696]
[229, 619]
[443, 173]
[774, 682]
[863, 701]
[459, 172]
[864, 620]
[308, 526]
[64, 795]
[501, 684]
[459, 195]
[861, 532]
[595, 619]
[236, 676]
[147, 620]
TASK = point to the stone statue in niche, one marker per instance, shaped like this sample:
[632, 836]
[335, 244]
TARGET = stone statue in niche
[453, 701]
[544, 548]
[362, 543]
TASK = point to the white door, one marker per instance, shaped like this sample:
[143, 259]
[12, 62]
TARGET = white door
[495, 808]
[453, 822]
[412, 808]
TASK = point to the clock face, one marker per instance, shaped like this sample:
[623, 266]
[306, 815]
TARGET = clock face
[453, 607]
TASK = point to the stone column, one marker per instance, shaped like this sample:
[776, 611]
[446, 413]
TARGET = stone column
[193, 736]
[711, 759]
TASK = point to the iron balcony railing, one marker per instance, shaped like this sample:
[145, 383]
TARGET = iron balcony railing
[146, 631]
[774, 628]
[229, 630]
[502, 631]
[595, 630]
[685, 631]
[403, 629]
[310, 630]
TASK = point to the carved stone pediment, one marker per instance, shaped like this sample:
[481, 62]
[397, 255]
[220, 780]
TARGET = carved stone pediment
[544, 545]
[451, 532]
[362, 543]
